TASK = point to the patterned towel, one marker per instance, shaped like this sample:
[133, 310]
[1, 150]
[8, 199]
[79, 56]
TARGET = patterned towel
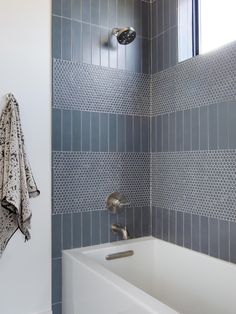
[17, 184]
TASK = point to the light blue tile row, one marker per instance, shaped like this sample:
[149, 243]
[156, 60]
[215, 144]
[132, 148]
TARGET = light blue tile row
[206, 128]
[210, 236]
[74, 130]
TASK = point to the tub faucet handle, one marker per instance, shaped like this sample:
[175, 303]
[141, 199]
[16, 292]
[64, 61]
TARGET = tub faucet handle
[116, 202]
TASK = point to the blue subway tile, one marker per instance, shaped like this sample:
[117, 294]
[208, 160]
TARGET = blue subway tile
[56, 280]
[160, 19]
[153, 134]
[165, 134]
[214, 233]
[179, 131]
[204, 128]
[56, 129]
[187, 130]
[137, 134]
[129, 133]
[121, 12]
[66, 231]
[112, 133]
[66, 8]
[145, 18]
[223, 125]
[56, 235]
[95, 132]
[66, 130]
[233, 242]
[137, 17]
[121, 218]
[103, 132]
[66, 39]
[86, 229]
[121, 50]
[173, 11]
[159, 223]
[146, 221]
[137, 222]
[212, 125]
[173, 46]
[56, 7]
[146, 44]
[112, 14]
[113, 220]
[145, 134]
[57, 308]
[232, 124]
[96, 58]
[76, 9]
[195, 128]
[104, 13]
[154, 221]
[104, 51]
[165, 220]
[86, 11]
[172, 226]
[56, 37]
[172, 133]
[195, 233]
[105, 229]
[160, 52]
[187, 230]
[96, 227]
[113, 47]
[85, 119]
[159, 133]
[121, 133]
[76, 41]
[95, 14]
[154, 51]
[204, 234]
[129, 214]
[76, 130]
[86, 43]
[166, 17]
[166, 49]
[77, 230]
[224, 240]
[180, 228]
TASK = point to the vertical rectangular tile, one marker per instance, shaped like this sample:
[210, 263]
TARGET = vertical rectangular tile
[154, 221]
[121, 12]
[129, 133]
[86, 43]
[85, 118]
[76, 41]
[112, 133]
[172, 132]
[165, 132]
[165, 226]
[187, 230]
[214, 233]
[224, 240]
[153, 134]
[223, 129]
[56, 280]
[66, 39]
[233, 242]
[56, 129]
[66, 8]
[96, 58]
[166, 49]
[159, 133]
[146, 221]
[159, 223]
[104, 13]
[160, 19]
[212, 124]
[180, 228]
[129, 216]
[95, 14]
[95, 131]
[179, 131]
[103, 132]
[56, 37]
[76, 9]
[121, 133]
[77, 230]
[137, 222]
[57, 308]
[173, 46]
[160, 52]
[145, 18]
[137, 17]
[145, 134]
[121, 57]
[155, 54]
[187, 130]
[86, 11]
[104, 47]
[121, 218]
[104, 226]
[146, 44]
[56, 235]
[173, 6]
[112, 14]
[86, 229]
[66, 231]
[166, 15]
[172, 226]
[154, 19]
[204, 128]
[56, 7]
[195, 233]
[204, 234]
[76, 130]
[137, 134]
[232, 124]
[96, 227]
[113, 236]
[195, 128]
[66, 130]
[113, 58]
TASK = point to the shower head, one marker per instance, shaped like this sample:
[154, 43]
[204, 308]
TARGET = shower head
[124, 35]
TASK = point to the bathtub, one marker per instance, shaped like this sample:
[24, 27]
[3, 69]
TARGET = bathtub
[159, 278]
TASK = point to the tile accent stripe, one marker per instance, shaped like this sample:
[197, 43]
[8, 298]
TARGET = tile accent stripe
[93, 88]
[200, 182]
[88, 178]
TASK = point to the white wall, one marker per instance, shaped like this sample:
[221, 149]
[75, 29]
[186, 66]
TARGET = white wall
[25, 70]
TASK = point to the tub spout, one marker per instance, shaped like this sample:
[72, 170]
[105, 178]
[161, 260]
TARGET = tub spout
[121, 230]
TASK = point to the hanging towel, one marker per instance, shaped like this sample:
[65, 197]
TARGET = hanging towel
[17, 184]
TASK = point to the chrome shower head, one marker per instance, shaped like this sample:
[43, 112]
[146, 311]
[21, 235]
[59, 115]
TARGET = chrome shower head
[124, 35]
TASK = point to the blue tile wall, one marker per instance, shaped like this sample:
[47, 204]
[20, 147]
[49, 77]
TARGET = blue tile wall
[214, 237]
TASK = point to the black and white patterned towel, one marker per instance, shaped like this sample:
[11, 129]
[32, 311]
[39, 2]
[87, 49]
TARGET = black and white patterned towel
[17, 184]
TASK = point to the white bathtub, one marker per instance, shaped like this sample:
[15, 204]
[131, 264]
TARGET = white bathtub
[159, 278]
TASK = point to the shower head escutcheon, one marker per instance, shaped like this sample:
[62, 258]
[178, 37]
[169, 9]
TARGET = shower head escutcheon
[124, 35]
